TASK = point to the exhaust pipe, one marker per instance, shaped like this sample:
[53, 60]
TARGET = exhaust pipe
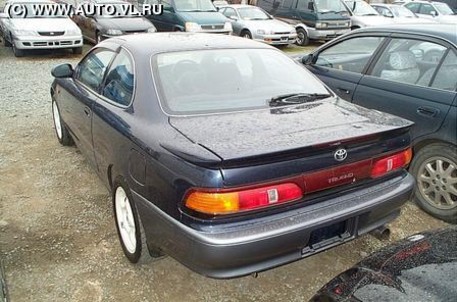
[381, 233]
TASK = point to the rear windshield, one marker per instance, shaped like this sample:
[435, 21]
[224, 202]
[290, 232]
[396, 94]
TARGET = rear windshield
[211, 81]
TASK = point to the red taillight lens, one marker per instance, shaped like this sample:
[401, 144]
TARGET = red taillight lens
[231, 202]
[391, 163]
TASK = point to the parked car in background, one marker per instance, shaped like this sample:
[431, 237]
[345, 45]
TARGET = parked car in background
[38, 32]
[438, 11]
[313, 20]
[189, 16]
[417, 268]
[219, 3]
[363, 15]
[219, 151]
[96, 28]
[252, 22]
[451, 3]
[397, 13]
[409, 71]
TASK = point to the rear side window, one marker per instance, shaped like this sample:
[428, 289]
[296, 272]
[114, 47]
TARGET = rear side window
[349, 55]
[92, 69]
[119, 81]
[446, 76]
[409, 61]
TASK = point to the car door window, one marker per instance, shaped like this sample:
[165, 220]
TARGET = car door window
[229, 12]
[119, 81]
[427, 9]
[409, 61]
[349, 55]
[383, 11]
[446, 76]
[92, 69]
[414, 7]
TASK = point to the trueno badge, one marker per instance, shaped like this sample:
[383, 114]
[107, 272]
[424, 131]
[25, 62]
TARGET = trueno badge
[340, 154]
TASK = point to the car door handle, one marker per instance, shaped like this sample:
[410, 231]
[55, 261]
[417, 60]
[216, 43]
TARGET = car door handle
[87, 111]
[427, 111]
[345, 91]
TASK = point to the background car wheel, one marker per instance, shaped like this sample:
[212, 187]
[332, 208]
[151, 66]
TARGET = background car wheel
[98, 38]
[302, 37]
[246, 34]
[17, 52]
[435, 170]
[77, 50]
[61, 130]
[6, 43]
[129, 226]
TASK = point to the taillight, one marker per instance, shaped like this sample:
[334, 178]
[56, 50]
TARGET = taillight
[232, 202]
[391, 163]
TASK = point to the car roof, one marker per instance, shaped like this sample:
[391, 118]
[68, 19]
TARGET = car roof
[153, 43]
[439, 30]
[383, 4]
[29, 1]
[422, 1]
[239, 5]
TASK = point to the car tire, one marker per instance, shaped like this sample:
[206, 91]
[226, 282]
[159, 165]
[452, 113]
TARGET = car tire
[17, 52]
[98, 37]
[302, 37]
[63, 136]
[77, 50]
[246, 34]
[129, 226]
[435, 170]
[6, 43]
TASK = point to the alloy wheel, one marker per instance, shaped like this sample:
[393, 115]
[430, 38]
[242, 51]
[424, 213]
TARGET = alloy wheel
[437, 182]
[125, 220]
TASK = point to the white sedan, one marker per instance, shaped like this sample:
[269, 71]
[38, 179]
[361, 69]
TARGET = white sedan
[38, 31]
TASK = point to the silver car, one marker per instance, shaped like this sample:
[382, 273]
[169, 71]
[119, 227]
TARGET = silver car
[254, 23]
[363, 15]
[32, 31]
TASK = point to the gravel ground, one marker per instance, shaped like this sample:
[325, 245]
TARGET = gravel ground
[57, 233]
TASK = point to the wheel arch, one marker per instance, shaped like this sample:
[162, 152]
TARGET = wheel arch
[302, 26]
[430, 141]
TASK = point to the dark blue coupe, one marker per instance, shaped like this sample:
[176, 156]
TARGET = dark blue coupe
[226, 154]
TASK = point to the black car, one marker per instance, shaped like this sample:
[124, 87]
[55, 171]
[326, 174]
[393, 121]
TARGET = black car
[98, 27]
[409, 71]
[226, 154]
[421, 267]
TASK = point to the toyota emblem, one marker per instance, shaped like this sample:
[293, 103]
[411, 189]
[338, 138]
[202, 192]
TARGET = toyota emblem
[340, 154]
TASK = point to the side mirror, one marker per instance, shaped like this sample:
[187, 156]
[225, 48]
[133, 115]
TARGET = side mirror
[62, 71]
[433, 13]
[311, 5]
[308, 59]
[234, 18]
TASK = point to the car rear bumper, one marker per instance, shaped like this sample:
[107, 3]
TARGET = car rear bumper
[42, 42]
[326, 34]
[252, 246]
